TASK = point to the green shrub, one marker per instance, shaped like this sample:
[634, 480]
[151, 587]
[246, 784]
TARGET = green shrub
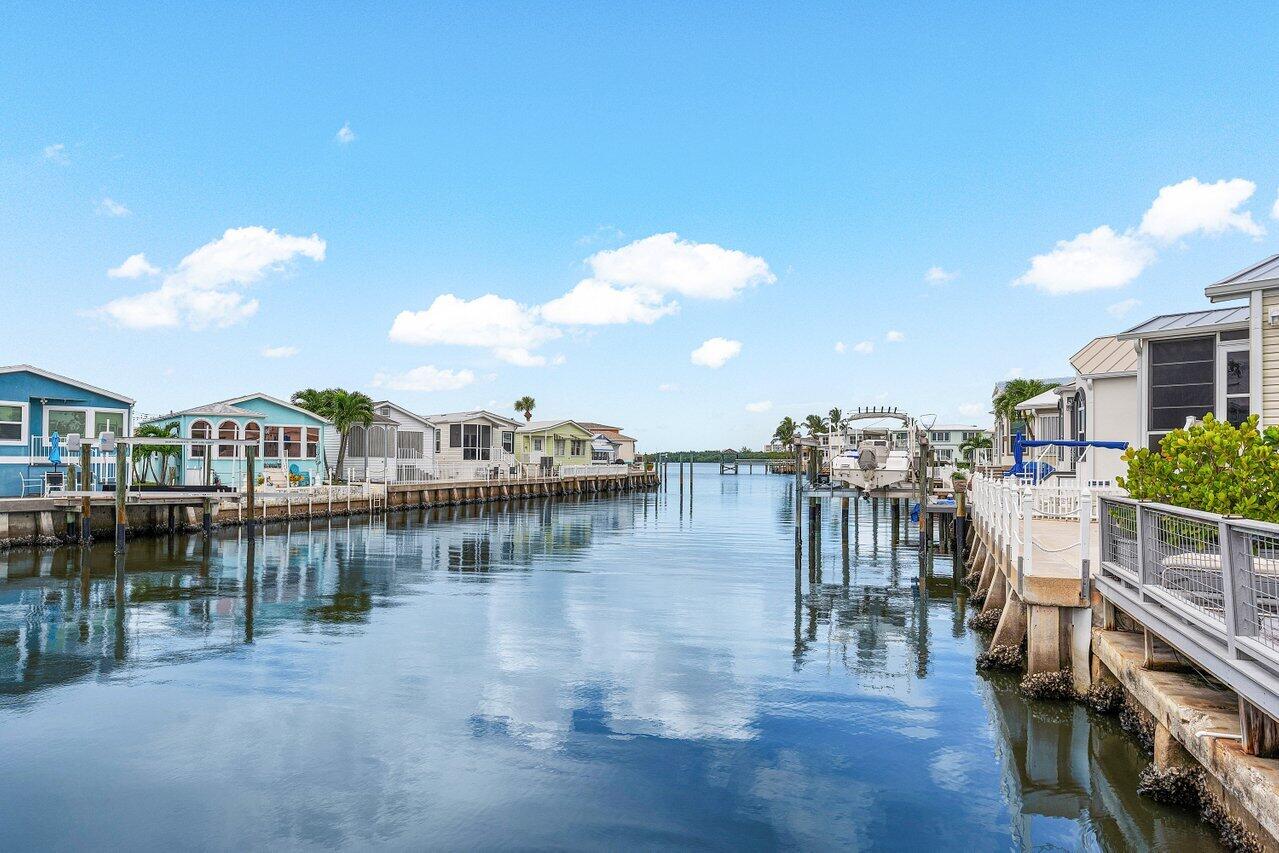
[1213, 466]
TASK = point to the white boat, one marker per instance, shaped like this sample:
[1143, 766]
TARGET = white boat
[877, 462]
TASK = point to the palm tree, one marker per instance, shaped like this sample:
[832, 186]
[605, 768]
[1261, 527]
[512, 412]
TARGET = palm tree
[815, 424]
[980, 441]
[347, 410]
[786, 430]
[312, 399]
[836, 419]
[1014, 393]
[143, 454]
[525, 404]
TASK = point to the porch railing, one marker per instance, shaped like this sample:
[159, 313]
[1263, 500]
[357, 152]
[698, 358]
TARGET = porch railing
[1204, 583]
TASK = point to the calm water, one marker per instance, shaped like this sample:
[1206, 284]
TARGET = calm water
[553, 674]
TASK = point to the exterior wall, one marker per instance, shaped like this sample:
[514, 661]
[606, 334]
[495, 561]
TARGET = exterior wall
[1269, 378]
[568, 433]
[409, 424]
[1114, 414]
[453, 455]
[626, 452]
[29, 390]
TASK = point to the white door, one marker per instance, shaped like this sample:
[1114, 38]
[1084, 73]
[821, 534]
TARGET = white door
[1234, 401]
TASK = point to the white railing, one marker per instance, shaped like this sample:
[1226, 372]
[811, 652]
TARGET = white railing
[101, 464]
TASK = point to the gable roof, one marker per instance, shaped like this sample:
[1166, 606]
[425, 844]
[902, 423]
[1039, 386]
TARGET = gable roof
[285, 403]
[1171, 325]
[1046, 400]
[594, 426]
[1107, 356]
[414, 415]
[214, 410]
[66, 380]
[544, 426]
[473, 414]
[1264, 272]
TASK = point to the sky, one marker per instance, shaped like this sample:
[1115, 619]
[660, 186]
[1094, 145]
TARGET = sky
[688, 220]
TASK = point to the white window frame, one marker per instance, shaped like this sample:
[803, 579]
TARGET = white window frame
[26, 428]
[90, 414]
[1219, 369]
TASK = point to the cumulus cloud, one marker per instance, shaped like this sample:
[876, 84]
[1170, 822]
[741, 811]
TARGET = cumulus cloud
[715, 352]
[894, 336]
[110, 207]
[207, 287]
[665, 263]
[971, 409]
[425, 378]
[345, 135]
[937, 275]
[864, 347]
[511, 331]
[1121, 308]
[134, 266]
[1190, 207]
[761, 406]
[840, 346]
[279, 352]
[1094, 260]
[595, 303]
[56, 153]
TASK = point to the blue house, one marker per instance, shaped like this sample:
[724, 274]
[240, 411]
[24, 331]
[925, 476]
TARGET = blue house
[36, 403]
[290, 442]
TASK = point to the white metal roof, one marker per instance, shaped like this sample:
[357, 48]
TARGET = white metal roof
[474, 414]
[1166, 325]
[1249, 278]
[58, 377]
[1108, 356]
[1046, 400]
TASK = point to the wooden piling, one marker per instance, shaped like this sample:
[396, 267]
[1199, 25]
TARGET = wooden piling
[121, 488]
[250, 483]
[86, 484]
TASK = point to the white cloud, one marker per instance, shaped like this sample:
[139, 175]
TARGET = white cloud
[1119, 309]
[840, 346]
[667, 387]
[761, 406]
[345, 135]
[971, 409]
[56, 153]
[937, 275]
[109, 207]
[279, 352]
[714, 353]
[593, 302]
[602, 234]
[864, 347]
[510, 330]
[205, 289]
[664, 263]
[1094, 260]
[1189, 207]
[425, 378]
[134, 266]
[894, 336]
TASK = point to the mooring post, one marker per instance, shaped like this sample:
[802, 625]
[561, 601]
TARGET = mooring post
[843, 520]
[690, 477]
[86, 484]
[206, 520]
[894, 513]
[121, 473]
[250, 483]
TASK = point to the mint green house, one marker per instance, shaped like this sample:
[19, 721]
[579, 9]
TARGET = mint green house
[290, 442]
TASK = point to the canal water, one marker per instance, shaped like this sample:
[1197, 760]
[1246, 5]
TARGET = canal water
[622, 672]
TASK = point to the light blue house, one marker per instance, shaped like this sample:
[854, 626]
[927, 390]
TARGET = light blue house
[36, 403]
[290, 442]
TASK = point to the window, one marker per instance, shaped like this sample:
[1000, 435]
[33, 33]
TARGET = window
[579, 447]
[312, 442]
[559, 447]
[377, 442]
[356, 441]
[408, 445]
[437, 440]
[537, 445]
[12, 422]
[1237, 385]
[1181, 381]
[112, 422]
[271, 443]
[200, 429]
[227, 429]
[66, 421]
[455, 435]
[508, 441]
[253, 432]
[477, 441]
[939, 437]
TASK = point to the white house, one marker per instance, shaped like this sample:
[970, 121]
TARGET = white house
[415, 441]
[477, 443]
[1101, 404]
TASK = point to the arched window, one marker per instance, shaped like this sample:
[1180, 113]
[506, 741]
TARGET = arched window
[227, 429]
[355, 442]
[200, 429]
[1081, 416]
[253, 432]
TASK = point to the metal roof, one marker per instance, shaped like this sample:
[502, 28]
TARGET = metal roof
[1191, 321]
[473, 414]
[219, 410]
[1046, 400]
[1245, 280]
[1106, 356]
[66, 380]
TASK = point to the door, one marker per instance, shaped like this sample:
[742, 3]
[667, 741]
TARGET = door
[1234, 400]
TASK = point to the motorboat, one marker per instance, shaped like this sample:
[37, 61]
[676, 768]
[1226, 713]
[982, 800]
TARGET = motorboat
[877, 461]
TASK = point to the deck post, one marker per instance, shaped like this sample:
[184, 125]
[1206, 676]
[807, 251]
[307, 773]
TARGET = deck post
[121, 485]
[86, 484]
[206, 517]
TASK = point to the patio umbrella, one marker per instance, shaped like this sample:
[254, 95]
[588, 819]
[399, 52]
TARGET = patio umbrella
[55, 449]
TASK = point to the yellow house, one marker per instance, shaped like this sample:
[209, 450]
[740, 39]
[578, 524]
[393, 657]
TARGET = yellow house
[548, 445]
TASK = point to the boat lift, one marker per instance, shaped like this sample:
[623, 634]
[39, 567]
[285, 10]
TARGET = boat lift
[1037, 470]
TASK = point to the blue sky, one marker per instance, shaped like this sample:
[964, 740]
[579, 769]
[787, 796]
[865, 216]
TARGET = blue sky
[816, 162]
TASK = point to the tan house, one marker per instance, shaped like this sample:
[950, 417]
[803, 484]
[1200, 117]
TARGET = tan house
[624, 443]
[475, 443]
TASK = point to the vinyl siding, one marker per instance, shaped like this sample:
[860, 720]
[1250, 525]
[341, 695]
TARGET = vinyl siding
[1269, 359]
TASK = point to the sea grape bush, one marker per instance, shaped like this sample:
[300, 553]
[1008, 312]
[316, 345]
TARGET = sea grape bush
[1211, 466]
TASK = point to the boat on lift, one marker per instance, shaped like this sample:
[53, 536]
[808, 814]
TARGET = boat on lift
[876, 461]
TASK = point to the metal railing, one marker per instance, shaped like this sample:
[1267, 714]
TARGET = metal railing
[1206, 584]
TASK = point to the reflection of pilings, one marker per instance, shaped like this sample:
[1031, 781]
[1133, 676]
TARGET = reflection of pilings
[121, 647]
[250, 585]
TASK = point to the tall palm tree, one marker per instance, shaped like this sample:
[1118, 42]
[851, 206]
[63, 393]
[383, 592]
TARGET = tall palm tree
[835, 418]
[815, 424]
[312, 399]
[1016, 392]
[143, 454]
[525, 404]
[785, 432]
